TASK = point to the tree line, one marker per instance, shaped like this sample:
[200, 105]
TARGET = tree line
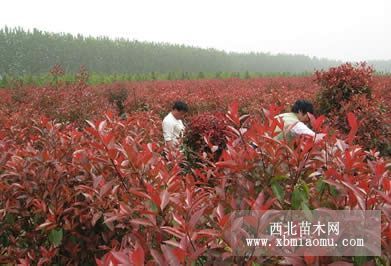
[25, 52]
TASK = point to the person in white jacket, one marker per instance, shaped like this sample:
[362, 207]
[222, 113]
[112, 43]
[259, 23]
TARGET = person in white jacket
[173, 127]
[295, 121]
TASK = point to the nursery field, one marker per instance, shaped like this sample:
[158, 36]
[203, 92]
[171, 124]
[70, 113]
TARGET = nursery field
[85, 178]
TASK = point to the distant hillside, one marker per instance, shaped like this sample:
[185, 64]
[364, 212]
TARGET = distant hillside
[35, 52]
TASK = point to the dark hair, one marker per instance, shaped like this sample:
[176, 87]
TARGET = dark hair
[303, 106]
[180, 106]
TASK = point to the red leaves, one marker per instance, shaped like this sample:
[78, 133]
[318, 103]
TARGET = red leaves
[317, 123]
[137, 157]
[105, 184]
[206, 133]
[106, 188]
[195, 218]
[309, 258]
[124, 257]
[353, 127]
[345, 80]
[349, 89]
[221, 217]
[153, 195]
[173, 256]
[227, 164]
[107, 139]
[95, 218]
[47, 255]
[260, 203]
[161, 201]
[174, 231]
[357, 194]
[165, 198]
[233, 113]
[40, 205]
[137, 257]
[81, 157]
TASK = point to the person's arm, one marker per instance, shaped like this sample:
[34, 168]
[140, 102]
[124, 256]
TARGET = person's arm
[301, 129]
[178, 130]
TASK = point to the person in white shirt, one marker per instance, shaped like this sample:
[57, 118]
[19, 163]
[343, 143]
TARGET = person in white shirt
[294, 122]
[173, 127]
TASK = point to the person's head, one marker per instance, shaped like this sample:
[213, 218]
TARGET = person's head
[301, 108]
[179, 109]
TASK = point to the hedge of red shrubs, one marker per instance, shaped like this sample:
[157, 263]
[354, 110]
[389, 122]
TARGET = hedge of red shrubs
[100, 192]
[349, 88]
[206, 133]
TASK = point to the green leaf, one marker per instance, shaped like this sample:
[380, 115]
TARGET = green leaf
[333, 191]
[320, 185]
[380, 261]
[305, 188]
[4, 240]
[9, 218]
[307, 211]
[360, 260]
[152, 206]
[304, 206]
[73, 239]
[296, 199]
[278, 178]
[55, 237]
[299, 196]
[278, 191]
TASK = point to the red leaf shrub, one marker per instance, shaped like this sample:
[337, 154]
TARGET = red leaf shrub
[374, 131]
[100, 192]
[340, 83]
[207, 133]
[118, 97]
[56, 72]
[348, 88]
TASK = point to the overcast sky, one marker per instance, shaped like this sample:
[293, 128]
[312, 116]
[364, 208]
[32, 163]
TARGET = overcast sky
[335, 29]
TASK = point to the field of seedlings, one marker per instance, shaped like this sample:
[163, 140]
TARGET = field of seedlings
[85, 177]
